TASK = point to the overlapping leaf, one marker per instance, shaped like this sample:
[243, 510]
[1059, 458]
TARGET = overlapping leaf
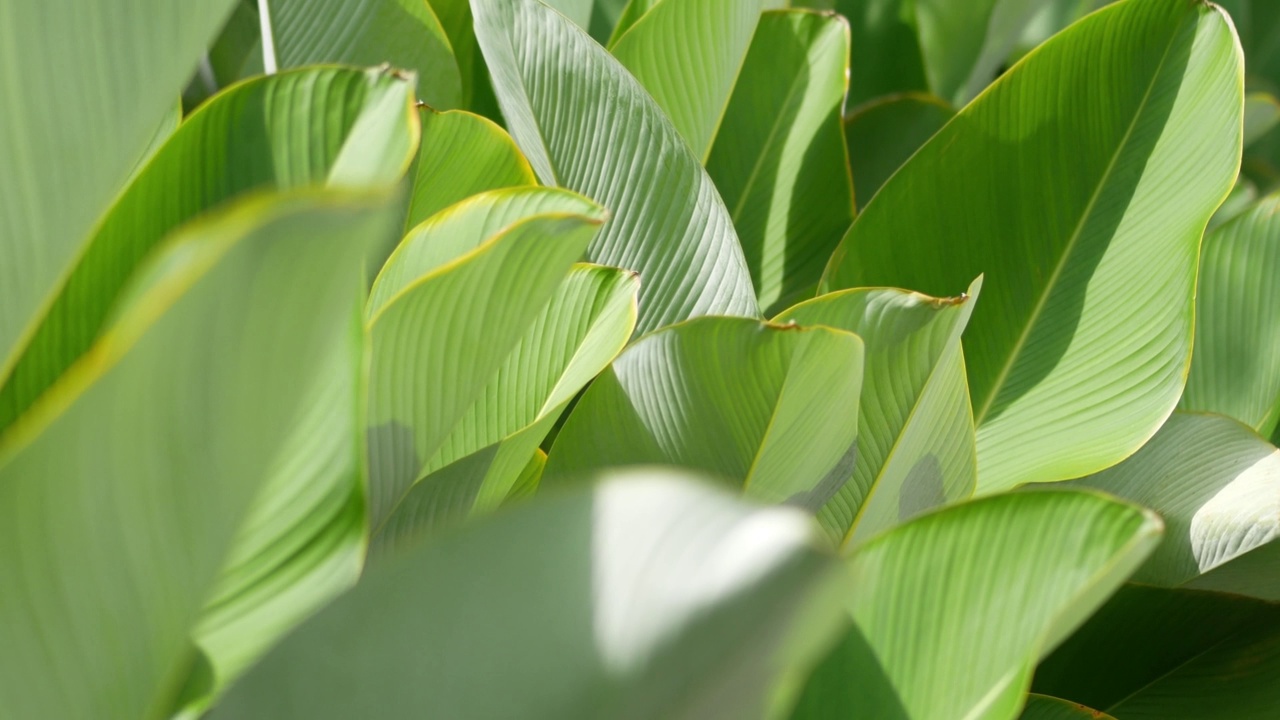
[462, 154]
[915, 426]
[586, 323]
[124, 65]
[122, 491]
[1079, 349]
[1043, 707]
[585, 123]
[1217, 486]
[1235, 369]
[778, 157]
[952, 610]
[406, 34]
[770, 409]
[645, 597]
[883, 133]
[309, 127]
[450, 307]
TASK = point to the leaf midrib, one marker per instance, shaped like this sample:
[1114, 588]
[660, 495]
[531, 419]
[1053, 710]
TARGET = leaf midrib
[1067, 251]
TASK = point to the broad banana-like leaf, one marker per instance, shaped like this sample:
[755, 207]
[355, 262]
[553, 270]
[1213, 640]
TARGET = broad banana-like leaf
[770, 409]
[583, 327]
[124, 65]
[1043, 707]
[1080, 347]
[1173, 655]
[964, 43]
[952, 610]
[886, 56]
[405, 34]
[307, 127]
[585, 123]
[441, 333]
[121, 491]
[915, 426]
[530, 478]
[883, 133]
[688, 54]
[1242, 196]
[779, 159]
[1235, 369]
[1217, 486]
[1051, 18]
[462, 154]
[159, 137]
[648, 596]
[1261, 115]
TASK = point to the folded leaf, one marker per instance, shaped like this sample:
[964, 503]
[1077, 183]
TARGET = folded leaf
[646, 597]
[583, 327]
[440, 337]
[769, 409]
[1079, 349]
[1235, 369]
[585, 123]
[1217, 486]
[915, 426]
[126, 64]
[778, 158]
[952, 610]
[121, 492]
[309, 127]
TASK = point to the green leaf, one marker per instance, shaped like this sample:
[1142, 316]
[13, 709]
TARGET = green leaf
[121, 492]
[583, 327]
[462, 154]
[779, 159]
[309, 127]
[585, 123]
[123, 66]
[645, 597]
[1217, 486]
[688, 54]
[886, 55]
[1242, 196]
[770, 409]
[1235, 369]
[445, 317]
[952, 610]
[1172, 654]
[1043, 707]
[883, 133]
[405, 34]
[1261, 115]
[964, 43]
[1080, 347]
[915, 426]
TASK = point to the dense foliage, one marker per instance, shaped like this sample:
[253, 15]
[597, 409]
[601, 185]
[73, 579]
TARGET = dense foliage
[888, 359]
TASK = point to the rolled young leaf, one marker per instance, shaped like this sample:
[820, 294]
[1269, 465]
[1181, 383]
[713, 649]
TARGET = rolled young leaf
[122, 491]
[915, 426]
[1235, 368]
[1079, 349]
[770, 409]
[778, 158]
[334, 126]
[127, 64]
[444, 318]
[952, 610]
[647, 596]
[1217, 486]
[586, 124]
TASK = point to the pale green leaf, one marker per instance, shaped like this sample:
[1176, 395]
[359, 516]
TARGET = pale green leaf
[462, 154]
[1079, 350]
[440, 336]
[1235, 368]
[1217, 486]
[915, 426]
[645, 597]
[779, 159]
[84, 87]
[883, 133]
[122, 490]
[583, 327]
[952, 610]
[769, 409]
[330, 126]
[586, 124]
